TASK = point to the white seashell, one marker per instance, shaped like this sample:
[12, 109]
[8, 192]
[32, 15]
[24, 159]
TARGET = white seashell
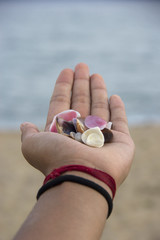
[109, 125]
[72, 135]
[93, 137]
[76, 136]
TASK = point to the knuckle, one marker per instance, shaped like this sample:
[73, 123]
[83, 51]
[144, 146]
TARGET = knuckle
[61, 98]
[81, 98]
[120, 120]
[84, 78]
[101, 105]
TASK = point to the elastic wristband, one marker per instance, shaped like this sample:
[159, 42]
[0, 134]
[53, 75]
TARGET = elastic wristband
[104, 177]
[82, 181]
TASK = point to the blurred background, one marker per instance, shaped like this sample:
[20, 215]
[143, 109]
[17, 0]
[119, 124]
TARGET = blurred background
[119, 40]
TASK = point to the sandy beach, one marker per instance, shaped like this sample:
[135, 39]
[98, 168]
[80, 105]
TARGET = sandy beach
[136, 206]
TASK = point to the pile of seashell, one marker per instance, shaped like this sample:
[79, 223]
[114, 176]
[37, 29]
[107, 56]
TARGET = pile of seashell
[93, 130]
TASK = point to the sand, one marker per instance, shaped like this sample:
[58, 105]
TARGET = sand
[136, 205]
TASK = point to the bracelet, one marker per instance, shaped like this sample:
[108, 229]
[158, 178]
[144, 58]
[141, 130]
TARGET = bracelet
[82, 181]
[104, 177]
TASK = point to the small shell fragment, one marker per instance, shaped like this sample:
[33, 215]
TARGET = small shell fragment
[79, 126]
[109, 125]
[95, 121]
[93, 137]
[58, 127]
[76, 136]
[72, 135]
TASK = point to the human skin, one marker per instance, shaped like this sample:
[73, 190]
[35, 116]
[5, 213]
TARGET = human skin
[70, 210]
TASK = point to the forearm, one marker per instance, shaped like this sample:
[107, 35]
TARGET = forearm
[68, 211]
[71, 210]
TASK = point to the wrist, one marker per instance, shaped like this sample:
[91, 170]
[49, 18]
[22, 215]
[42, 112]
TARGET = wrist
[64, 162]
[60, 179]
[91, 178]
[93, 174]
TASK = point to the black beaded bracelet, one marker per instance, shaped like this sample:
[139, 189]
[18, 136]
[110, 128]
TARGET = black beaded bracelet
[80, 180]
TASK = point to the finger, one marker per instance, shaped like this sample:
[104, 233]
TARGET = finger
[118, 115]
[27, 130]
[61, 97]
[29, 145]
[81, 90]
[99, 106]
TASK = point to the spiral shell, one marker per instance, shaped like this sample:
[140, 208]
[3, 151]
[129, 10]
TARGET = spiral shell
[67, 115]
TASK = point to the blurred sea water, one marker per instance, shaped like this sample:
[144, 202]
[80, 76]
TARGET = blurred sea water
[118, 39]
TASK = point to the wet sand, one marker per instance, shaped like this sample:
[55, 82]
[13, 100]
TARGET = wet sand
[136, 205]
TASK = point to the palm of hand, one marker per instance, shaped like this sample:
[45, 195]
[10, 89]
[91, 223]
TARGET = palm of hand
[47, 151]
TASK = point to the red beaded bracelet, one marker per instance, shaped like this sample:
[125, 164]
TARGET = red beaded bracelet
[104, 177]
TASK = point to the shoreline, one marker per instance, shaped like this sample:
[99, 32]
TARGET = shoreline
[41, 127]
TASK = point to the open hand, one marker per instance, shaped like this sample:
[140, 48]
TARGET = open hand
[87, 95]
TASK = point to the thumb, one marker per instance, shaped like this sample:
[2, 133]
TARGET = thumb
[29, 144]
[27, 130]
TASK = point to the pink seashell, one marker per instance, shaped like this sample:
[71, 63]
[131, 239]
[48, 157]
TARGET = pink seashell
[67, 115]
[95, 121]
